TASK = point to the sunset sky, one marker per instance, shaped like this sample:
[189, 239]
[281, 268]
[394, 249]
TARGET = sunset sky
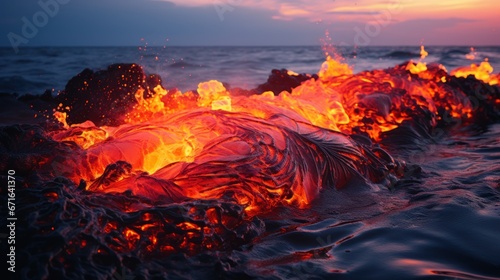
[242, 22]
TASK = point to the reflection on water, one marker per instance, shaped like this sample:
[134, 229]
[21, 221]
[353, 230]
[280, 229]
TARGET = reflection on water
[446, 225]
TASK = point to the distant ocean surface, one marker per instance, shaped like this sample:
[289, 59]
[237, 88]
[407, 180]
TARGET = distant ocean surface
[33, 70]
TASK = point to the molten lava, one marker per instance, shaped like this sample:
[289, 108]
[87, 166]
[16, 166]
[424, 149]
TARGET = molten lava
[257, 151]
[261, 150]
[483, 72]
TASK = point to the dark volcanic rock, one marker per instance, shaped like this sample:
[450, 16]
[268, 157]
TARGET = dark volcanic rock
[106, 95]
[29, 150]
[483, 98]
[280, 80]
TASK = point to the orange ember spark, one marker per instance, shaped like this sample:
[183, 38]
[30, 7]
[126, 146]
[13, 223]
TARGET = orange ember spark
[423, 52]
[61, 117]
[419, 67]
[471, 55]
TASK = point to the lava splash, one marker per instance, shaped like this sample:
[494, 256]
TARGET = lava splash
[127, 170]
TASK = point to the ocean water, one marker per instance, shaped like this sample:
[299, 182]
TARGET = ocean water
[33, 70]
[442, 224]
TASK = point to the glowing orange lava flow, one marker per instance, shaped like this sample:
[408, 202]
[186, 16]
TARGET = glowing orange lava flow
[262, 150]
[213, 153]
[482, 72]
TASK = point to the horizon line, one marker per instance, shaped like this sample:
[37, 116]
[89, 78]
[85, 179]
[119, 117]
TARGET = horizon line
[261, 46]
